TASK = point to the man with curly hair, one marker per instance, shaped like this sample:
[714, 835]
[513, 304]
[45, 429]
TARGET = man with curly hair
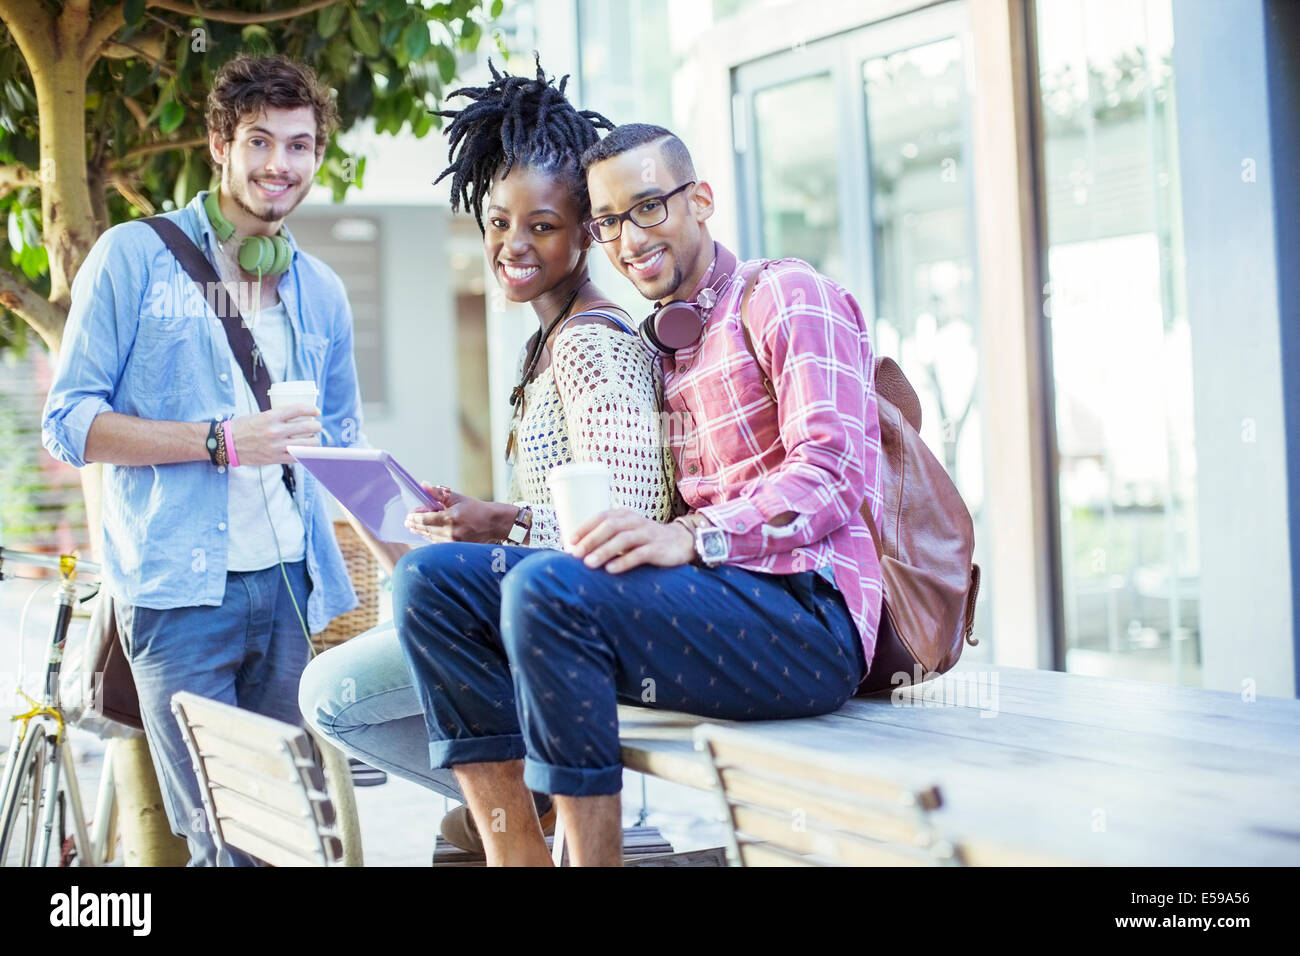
[218, 557]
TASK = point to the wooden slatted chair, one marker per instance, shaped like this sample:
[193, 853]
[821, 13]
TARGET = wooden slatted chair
[262, 785]
[786, 806]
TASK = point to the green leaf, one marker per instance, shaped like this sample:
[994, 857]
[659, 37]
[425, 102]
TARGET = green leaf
[358, 92]
[390, 36]
[446, 62]
[15, 231]
[34, 261]
[364, 35]
[173, 114]
[165, 96]
[31, 229]
[257, 39]
[470, 32]
[339, 57]
[133, 12]
[330, 19]
[136, 78]
[498, 6]
[416, 39]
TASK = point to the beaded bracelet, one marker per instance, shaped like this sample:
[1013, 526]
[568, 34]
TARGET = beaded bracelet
[222, 459]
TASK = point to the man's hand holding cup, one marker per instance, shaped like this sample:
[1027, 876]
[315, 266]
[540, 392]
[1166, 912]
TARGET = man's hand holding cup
[294, 419]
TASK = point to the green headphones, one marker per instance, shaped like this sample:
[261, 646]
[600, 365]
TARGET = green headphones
[259, 255]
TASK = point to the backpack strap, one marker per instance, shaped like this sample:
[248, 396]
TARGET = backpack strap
[238, 336]
[603, 312]
[750, 282]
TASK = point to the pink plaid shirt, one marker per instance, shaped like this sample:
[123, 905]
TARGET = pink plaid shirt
[742, 461]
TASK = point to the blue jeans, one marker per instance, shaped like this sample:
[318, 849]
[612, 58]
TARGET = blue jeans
[249, 652]
[518, 653]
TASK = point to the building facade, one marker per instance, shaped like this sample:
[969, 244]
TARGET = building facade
[1064, 219]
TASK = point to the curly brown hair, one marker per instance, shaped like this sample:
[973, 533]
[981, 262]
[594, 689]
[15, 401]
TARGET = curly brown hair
[247, 85]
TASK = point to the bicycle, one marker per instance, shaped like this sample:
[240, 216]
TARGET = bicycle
[39, 786]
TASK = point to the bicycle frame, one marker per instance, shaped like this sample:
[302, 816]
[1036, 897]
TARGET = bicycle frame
[59, 762]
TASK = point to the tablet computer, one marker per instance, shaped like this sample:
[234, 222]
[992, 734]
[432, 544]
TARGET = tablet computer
[372, 485]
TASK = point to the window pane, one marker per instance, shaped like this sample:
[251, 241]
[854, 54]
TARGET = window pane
[1121, 355]
[798, 184]
[922, 253]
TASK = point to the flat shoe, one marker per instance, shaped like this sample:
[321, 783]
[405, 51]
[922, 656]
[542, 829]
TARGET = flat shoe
[459, 830]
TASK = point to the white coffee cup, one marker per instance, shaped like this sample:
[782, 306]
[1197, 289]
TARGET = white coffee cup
[299, 392]
[579, 490]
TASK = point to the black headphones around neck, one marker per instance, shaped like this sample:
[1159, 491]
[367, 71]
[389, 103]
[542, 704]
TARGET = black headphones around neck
[678, 324]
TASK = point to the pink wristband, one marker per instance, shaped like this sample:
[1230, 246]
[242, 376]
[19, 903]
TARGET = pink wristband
[231, 457]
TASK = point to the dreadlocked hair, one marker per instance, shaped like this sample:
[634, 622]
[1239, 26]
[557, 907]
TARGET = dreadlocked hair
[516, 120]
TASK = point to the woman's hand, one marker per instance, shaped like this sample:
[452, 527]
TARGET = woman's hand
[462, 518]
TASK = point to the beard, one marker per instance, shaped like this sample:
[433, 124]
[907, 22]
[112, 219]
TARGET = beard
[241, 195]
[658, 288]
[661, 287]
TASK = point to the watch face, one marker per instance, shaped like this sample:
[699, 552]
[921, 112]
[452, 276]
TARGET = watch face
[712, 543]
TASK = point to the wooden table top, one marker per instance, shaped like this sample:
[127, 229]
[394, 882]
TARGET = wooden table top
[1081, 769]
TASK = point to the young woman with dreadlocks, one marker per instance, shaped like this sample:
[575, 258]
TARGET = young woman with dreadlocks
[586, 391]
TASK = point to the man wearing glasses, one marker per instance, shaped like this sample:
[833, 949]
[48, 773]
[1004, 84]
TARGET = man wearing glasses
[761, 602]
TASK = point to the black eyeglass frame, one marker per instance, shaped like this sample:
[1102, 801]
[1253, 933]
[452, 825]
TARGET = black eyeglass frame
[592, 229]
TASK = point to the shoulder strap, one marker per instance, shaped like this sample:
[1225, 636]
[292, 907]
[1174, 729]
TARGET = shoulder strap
[205, 277]
[744, 325]
[603, 313]
[201, 273]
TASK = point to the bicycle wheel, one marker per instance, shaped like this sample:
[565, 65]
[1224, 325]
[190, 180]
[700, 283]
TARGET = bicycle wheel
[20, 813]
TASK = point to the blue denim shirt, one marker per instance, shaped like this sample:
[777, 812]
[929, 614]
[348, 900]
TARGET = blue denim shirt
[142, 341]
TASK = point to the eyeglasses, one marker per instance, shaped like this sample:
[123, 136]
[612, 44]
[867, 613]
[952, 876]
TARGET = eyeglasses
[648, 212]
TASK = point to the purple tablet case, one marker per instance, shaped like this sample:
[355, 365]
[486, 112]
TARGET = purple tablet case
[380, 493]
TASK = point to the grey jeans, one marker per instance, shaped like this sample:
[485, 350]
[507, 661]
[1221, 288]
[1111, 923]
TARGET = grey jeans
[362, 697]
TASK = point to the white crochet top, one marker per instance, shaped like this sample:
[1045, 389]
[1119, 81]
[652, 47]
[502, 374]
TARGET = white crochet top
[598, 400]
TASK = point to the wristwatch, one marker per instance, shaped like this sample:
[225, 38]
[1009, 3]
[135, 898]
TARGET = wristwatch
[523, 524]
[711, 545]
[710, 540]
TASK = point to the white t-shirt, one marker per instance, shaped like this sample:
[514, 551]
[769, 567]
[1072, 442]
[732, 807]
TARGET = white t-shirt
[252, 543]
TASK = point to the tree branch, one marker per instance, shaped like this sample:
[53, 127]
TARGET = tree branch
[32, 29]
[136, 110]
[24, 301]
[152, 48]
[73, 24]
[100, 32]
[162, 148]
[235, 16]
[13, 176]
[125, 186]
[98, 196]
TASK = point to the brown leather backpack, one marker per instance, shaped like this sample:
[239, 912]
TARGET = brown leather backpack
[925, 543]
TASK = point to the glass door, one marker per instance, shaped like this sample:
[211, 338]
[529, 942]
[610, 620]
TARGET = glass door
[1121, 344]
[854, 154]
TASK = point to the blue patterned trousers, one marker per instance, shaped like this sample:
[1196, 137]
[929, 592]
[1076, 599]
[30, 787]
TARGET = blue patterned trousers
[521, 653]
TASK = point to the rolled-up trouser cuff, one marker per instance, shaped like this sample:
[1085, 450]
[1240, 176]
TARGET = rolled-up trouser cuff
[572, 781]
[450, 753]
